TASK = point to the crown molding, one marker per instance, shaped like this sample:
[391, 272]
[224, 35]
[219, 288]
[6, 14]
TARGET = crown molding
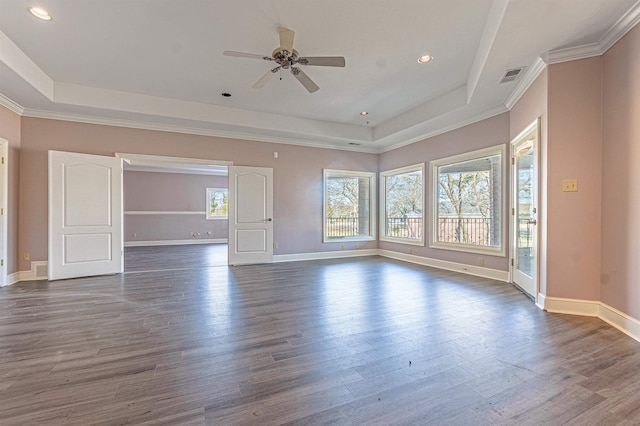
[532, 74]
[479, 117]
[615, 33]
[50, 115]
[11, 105]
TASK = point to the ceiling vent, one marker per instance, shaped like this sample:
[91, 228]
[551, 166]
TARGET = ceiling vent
[511, 75]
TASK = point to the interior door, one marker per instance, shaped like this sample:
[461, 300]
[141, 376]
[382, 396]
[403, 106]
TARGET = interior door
[524, 210]
[250, 215]
[85, 215]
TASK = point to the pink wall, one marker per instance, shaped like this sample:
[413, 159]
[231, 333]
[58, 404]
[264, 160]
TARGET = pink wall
[486, 133]
[531, 106]
[574, 152]
[297, 175]
[621, 176]
[167, 192]
[10, 130]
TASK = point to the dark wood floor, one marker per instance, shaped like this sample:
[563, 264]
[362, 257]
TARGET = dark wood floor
[364, 341]
[162, 258]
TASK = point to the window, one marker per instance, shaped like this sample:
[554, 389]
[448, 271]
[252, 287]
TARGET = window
[349, 205]
[467, 201]
[401, 205]
[217, 203]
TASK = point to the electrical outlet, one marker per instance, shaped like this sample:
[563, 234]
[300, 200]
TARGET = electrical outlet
[357, 246]
[570, 185]
[480, 261]
[26, 256]
[275, 244]
[342, 247]
[410, 251]
[134, 235]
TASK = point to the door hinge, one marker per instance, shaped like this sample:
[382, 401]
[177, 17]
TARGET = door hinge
[1, 262]
[2, 160]
[513, 210]
[513, 160]
[1, 211]
[512, 262]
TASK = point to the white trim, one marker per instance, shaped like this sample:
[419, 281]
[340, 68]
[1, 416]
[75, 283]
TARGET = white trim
[478, 271]
[4, 204]
[383, 202]
[314, 143]
[540, 300]
[501, 109]
[32, 275]
[11, 105]
[612, 316]
[151, 212]
[152, 243]
[12, 279]
[433, 206]
[611, 37]
[329, 173]
[532, 74]
[297, 257]
[618, 319]
[145, 159]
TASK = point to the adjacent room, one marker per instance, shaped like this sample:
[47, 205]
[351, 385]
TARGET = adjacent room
[282, 212]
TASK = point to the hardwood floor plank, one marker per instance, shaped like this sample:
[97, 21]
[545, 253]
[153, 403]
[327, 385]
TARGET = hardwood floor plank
[343, 341]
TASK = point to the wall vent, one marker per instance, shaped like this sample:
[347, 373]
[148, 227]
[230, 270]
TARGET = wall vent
[41, 270]
[511, 75]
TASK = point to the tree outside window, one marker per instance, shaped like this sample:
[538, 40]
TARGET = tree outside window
[349, 198]
[217, 203]
[402, 206]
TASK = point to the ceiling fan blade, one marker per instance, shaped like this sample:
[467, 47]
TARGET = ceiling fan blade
[304, 80]
[265, 78]
[286, 39]
[246, 55]
[324, 61]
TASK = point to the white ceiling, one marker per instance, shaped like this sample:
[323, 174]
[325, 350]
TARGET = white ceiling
[158, 63]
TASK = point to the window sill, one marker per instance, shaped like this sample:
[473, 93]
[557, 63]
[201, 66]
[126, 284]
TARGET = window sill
[343, 239]
[487, 251]
[218, 218]
[403, 241]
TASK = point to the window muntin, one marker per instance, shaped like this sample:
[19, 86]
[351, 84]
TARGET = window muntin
[401, 206]
[349, 201]
[467, 201]
[217, 205]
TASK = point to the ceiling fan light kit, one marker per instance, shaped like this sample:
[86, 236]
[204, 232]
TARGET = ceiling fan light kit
[288, 58]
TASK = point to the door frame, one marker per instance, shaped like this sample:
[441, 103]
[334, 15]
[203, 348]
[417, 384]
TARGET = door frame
[535, 125]
[4, 205]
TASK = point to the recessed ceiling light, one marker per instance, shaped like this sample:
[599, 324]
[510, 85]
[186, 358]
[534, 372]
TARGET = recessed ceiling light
[40, 13]
[425, 58]
[364, 113]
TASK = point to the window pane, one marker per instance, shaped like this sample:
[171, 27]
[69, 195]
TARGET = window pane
[218, 203]
[403, 205]
[469, 201]
[347, 206]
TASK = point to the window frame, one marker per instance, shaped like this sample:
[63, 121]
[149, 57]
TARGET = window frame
[207, 209]
[383, 208]
[500, 150]
[329, 173]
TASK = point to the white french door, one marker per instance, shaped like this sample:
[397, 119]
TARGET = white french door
[4, 194]
[524, 210]
[85, 215]
[250, 215]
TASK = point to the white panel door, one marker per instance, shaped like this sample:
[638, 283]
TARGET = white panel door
[85, 215]
[524, 210]
[250, 215]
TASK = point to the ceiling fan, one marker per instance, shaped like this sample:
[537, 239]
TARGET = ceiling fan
[288, 58]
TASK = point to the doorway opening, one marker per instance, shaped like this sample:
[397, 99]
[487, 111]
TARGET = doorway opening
[175, 213]
[524, 210]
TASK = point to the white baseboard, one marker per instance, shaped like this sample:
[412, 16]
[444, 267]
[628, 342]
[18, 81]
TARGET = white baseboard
[39, 271]
[323, 255]
[479, 271]
[612, 316]
[12, 279]
[540, 301]
[174, 242]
